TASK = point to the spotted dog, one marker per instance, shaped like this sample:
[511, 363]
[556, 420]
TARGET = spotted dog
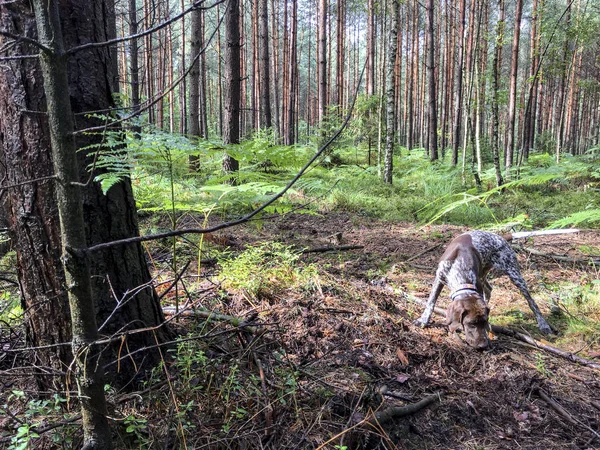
[463, 268]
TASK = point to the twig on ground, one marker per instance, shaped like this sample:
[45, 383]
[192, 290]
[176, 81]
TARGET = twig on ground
[548, 348]
[394, 412]
[563, 412]
[210, 315]
[339, 248]
[585, 261]
[427, 250]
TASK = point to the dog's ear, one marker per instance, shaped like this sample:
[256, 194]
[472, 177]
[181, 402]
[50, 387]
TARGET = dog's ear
[455, 315]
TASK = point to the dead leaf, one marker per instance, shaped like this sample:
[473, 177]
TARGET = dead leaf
[402, 357]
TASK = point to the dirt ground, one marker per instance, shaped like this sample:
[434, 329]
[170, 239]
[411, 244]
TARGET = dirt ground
[353, 339]
[338, 365]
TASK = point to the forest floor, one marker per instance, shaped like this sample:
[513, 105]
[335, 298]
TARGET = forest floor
[332, 354]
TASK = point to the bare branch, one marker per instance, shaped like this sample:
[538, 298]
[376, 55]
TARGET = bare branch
[246, 218]
[162, 95]
[195, 6]
[18, 57]
[18, 38]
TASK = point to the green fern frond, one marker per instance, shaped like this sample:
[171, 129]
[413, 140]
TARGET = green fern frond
[588, 217]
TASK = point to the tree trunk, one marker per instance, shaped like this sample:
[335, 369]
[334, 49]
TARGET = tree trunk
[458, 76]
[371, 38]
[496, 86]
[134, 68]
[231, 128]
[391, 94]
[34, 221]
[194, 80]
[292, 78]
[512, 94]
[264, 66]
[432, 114]
[322, 60]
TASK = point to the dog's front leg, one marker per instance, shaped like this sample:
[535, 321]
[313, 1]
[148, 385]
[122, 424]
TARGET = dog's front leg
[435, 292]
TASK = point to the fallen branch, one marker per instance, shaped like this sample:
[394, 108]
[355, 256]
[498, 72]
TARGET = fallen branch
[339, 248]
[210, 315]
[427, 250]
[585, 261]
[548, 348]
[394, 412]
[563, 413]
[515, 334]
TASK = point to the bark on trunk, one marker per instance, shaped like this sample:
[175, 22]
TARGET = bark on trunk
[512, 94]
[391, 95]
[264, 66]
[432, 132]
[115, 272]
[459, 86]
[231, 125]
[496, 86]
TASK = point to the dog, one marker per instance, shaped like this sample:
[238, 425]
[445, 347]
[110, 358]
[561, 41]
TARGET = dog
[463, 268]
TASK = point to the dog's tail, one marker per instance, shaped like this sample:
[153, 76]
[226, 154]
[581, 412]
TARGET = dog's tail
[525, 234]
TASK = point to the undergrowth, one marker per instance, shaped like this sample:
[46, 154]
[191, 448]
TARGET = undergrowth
[540, 193]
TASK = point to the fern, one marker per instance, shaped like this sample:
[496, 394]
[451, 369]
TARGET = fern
[588, 217]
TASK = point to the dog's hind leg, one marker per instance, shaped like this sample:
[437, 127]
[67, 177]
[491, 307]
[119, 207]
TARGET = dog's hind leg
[435, 293]
[515, 276]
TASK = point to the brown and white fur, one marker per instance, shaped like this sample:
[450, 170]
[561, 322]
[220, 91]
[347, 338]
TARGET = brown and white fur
[463, 268]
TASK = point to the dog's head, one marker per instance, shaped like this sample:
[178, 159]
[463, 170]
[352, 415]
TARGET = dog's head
[469, 314]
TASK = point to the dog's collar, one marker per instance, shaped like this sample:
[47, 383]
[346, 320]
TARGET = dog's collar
[463, 289]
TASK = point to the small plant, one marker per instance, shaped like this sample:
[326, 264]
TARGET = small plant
[137, 428]
[264, 270]
[36, 411]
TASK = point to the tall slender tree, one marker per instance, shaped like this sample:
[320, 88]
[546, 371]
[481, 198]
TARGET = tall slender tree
[458, 76]
[391, 94]
[264, 66]
[512, 92]
[432, 111]
[497, 66]
[231, 128]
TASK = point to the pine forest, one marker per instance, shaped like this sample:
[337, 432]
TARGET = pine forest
[299, 224]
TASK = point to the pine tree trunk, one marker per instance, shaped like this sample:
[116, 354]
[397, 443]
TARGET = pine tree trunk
[322, 60]
[371, 37]
[458, 76]
[116, 272]
[496, 86]
[134, 67]
[290, 136]
[264, 66]
[231, 128]
[512, 94]
[194, 81]
[432, 113]
[391, 95]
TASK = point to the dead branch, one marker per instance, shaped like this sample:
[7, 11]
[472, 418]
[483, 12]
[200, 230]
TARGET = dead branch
[210, 315]
[585, 261]
[427, 250]
[395, 412]
[563, 412]
[515, 334]
[548, 348]
[339, 248]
